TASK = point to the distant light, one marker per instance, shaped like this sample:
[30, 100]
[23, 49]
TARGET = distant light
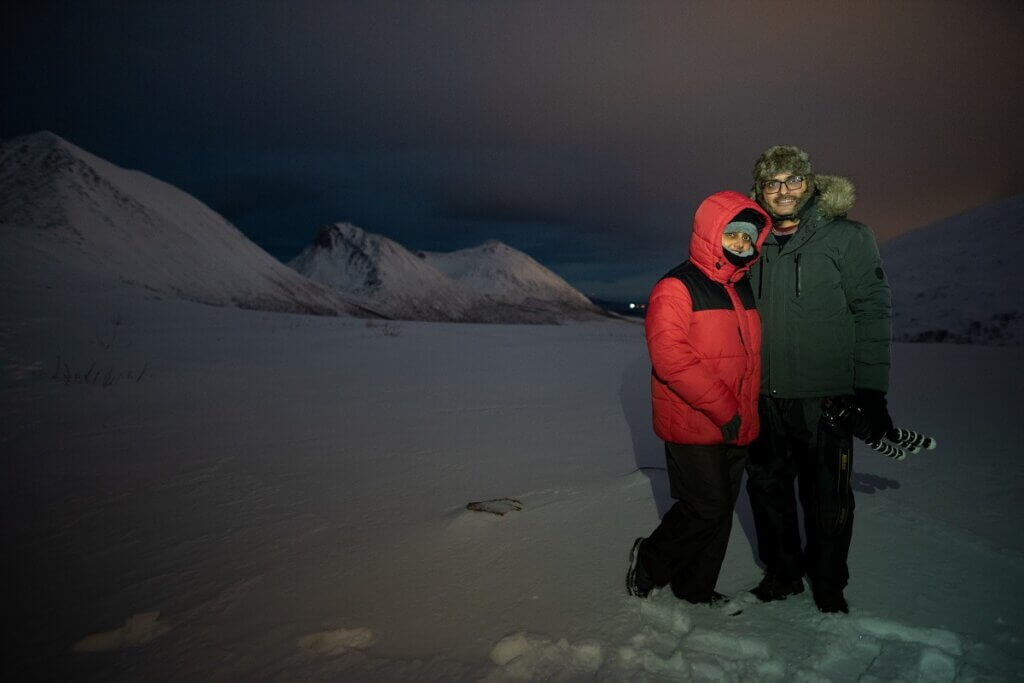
[632, 306]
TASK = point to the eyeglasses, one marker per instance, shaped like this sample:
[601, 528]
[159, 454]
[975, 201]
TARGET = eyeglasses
[793, 182]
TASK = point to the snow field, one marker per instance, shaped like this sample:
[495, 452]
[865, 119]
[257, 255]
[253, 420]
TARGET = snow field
[283, 497]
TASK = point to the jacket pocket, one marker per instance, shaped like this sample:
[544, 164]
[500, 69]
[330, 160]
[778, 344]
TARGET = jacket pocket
[833, 492]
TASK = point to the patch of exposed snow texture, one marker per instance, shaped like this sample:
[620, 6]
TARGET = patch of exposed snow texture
[59, 203]
[489, 283]
[950, 279]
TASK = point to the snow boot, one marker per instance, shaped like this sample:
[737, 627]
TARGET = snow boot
[773, 587]
[831, 602]
[638, 583]
[723, 603]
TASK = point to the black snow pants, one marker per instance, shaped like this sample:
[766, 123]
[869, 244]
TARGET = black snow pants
[795, 443]
[688, 547]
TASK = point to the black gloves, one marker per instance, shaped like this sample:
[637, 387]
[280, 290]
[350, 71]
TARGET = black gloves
[877, 422]
[731, 429]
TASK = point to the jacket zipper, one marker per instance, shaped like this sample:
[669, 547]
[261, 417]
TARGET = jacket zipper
[739, 395]
[798, 276]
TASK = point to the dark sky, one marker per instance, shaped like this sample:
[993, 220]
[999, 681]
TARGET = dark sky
[584, 133]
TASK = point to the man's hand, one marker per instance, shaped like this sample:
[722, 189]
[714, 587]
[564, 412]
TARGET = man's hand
[731, 429]
[876, 409]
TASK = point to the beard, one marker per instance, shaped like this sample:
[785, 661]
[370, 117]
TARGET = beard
[793, 215]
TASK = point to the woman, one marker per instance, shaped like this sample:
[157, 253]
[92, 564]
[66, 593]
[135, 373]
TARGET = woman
[704, 340]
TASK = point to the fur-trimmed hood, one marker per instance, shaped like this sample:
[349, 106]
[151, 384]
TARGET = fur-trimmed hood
[836, 195]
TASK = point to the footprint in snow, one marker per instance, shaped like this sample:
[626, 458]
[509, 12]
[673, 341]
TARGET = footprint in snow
[496, 506]
[338, 641]
[137, 630]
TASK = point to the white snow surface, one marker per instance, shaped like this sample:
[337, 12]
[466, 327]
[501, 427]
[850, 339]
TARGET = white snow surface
[197, 493]
[951, 280]
[59, 203]
[489, 283]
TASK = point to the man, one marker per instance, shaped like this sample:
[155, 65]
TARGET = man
[825, 311]
[703, 335]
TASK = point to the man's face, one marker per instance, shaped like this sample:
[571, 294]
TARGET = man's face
[785, 200]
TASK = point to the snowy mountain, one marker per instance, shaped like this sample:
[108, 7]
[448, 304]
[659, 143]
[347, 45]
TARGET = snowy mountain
[951, 280]
[382, 273]
[502, 273]
[489, 283]
[75, 216]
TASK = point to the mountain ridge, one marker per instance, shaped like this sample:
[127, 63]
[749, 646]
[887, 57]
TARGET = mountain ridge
[64, 210]
[491, 282]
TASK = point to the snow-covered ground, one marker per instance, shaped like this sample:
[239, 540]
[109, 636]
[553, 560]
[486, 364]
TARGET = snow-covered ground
[200, 493]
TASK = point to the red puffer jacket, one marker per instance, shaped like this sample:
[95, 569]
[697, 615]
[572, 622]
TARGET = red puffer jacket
[704, 333]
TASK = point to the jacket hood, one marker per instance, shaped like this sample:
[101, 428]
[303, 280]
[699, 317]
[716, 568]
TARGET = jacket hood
[835, 195]
[713, 214]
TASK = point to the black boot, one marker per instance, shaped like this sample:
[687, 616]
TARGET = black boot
[637, 581]
[724, 604]
[774, 587]
[831, 601]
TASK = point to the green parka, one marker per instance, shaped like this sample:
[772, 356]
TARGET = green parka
[825, 304]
